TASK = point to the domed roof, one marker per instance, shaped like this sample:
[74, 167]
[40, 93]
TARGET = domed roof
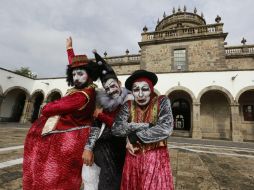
[180, 19]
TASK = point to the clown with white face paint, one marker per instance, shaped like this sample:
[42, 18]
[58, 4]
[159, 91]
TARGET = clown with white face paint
[147, 122]
[141, 92]
[79, 77]
[112, 88]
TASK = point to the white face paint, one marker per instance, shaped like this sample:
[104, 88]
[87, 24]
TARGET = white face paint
[112, 88]
[141, 92]
[79, 77]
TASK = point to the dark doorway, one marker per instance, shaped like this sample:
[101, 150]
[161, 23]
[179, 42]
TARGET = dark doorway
[181, 113]
[18, 107]
[37, 105]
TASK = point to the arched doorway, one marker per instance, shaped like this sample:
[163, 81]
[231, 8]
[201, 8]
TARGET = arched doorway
[215, 115]
[181, 103]
[18, 107]
[13, 104]
[37, 100]
[246, 110]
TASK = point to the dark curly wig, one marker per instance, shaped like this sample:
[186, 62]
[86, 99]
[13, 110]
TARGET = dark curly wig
[91, 68]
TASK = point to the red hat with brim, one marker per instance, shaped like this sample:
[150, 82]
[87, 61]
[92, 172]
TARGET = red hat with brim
[79, 60]
[140, 74]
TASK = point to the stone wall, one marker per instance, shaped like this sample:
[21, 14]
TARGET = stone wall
[201, 55]
[125, 69]
[240, 63]
[206, 55]
[247, 131]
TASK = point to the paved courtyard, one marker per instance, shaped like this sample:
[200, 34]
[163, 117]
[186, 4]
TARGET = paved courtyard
[196, 164]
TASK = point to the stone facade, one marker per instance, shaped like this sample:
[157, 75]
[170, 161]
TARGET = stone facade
[201, 55]
[210, 93]
[125, 69]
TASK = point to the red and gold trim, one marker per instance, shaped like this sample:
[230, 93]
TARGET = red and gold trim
[79, 60]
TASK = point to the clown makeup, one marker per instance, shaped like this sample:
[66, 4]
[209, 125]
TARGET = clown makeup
[112, 88]
[79, 77]
[141, 92]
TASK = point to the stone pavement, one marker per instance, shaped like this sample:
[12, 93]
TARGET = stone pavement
[196, 164]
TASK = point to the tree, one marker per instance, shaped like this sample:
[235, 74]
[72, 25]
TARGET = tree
[25, 71]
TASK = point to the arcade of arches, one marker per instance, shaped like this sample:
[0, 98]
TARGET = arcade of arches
[214, 114]
[17, 105]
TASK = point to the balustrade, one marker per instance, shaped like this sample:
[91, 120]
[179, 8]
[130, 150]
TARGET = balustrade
[123, 59]
[182, 32]
[239, 50]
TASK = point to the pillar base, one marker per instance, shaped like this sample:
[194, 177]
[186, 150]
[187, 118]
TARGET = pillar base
[196, 135]
[237, 138]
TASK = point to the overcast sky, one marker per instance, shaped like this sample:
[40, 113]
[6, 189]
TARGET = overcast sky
[33, 32]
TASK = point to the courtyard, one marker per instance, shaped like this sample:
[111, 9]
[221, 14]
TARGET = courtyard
[196, 164]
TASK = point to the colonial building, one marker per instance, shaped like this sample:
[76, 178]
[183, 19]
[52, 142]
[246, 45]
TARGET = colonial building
[210, 84]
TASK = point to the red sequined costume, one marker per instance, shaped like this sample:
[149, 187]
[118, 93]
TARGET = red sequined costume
[54, 161]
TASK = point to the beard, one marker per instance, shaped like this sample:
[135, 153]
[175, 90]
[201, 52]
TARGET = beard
[115, 94]
[80, 85]
[109, 103]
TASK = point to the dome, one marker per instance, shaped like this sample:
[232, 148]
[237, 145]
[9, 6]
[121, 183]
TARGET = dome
[180, 19]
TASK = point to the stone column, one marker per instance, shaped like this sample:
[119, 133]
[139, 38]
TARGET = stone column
[30, 110]
[236, 124]
[24, 118]
[196, 130]
[42, 105]
[1, 100]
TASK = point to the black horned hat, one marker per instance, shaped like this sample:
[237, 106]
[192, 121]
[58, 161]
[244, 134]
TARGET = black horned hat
[106, 71]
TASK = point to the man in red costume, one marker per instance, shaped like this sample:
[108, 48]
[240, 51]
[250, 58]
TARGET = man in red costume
[53, 156]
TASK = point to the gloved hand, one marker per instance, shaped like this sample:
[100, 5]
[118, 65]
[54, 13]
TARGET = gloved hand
[97, 123]
[133, 138]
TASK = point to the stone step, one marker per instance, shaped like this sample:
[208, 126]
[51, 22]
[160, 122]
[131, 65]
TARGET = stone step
[15, 124]
[181, 133]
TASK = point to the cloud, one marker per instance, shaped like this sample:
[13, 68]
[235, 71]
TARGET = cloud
[33, 33]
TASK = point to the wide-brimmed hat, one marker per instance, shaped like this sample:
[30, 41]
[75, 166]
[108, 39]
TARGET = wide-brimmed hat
[106, 71]
[140, 74]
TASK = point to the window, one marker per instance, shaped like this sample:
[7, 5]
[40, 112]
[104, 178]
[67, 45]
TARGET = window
[180, 59]
[248, 112]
